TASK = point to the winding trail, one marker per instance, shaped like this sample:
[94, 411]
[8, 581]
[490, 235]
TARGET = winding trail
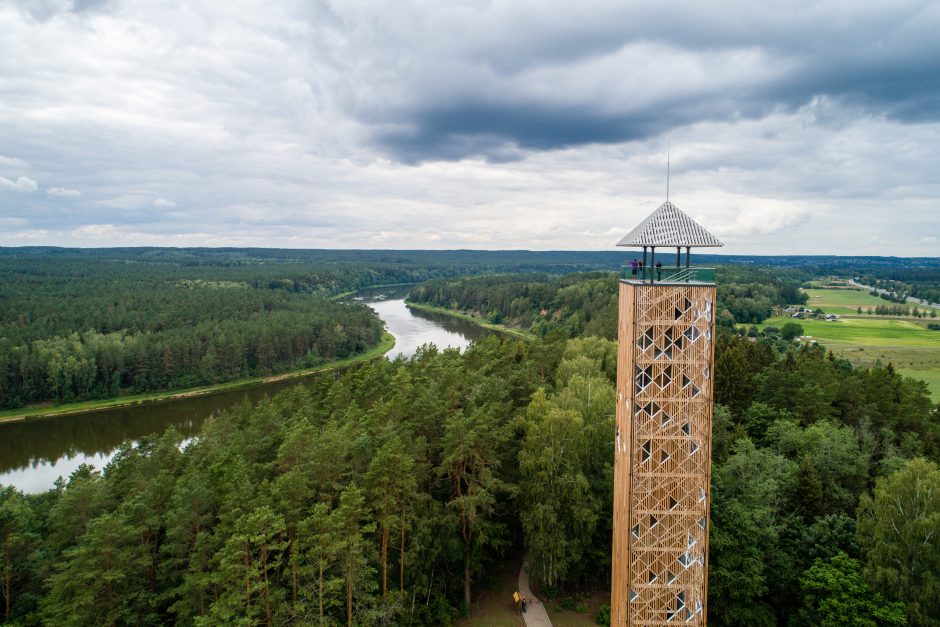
[535, 614]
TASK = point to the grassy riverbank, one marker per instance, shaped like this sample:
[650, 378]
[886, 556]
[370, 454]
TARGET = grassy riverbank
[41, 411]
[343, 295]
[471, 318]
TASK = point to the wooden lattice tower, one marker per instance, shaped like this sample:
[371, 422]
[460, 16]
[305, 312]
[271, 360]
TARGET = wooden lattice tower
[662, 464]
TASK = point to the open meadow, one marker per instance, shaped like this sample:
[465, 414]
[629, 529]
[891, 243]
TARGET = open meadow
[913, 349]
[864, 331]
[842, 301]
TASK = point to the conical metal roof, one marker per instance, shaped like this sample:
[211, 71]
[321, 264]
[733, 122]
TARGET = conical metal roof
[668, 226]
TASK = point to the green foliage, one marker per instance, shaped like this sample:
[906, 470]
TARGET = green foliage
[586, 304]
[758, 417]
[558, 510]
[791, 331]
[835, 594]
[295, 511]
[19, 551]
[246, 565]
[750, 294]
[602, 616]
[832, 469]
[79, 324]
[563, 490]
[575, 304]
[101, 580]
[749, 516]
[90, 329]
[383, 495]
[897, 530]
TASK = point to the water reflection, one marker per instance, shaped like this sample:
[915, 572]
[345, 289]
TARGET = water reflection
[33, 454]
[413, 328]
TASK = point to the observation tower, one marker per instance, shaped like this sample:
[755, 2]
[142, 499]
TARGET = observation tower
[662, 458]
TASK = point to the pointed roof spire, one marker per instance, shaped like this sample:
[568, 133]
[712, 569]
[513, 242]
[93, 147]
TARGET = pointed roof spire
[668, 226]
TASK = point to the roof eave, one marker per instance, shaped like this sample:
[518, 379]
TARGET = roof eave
[666, 245]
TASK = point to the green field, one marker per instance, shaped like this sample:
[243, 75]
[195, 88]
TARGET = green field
[930, 377]
[841, 301]
[866, 331]
[913, 349]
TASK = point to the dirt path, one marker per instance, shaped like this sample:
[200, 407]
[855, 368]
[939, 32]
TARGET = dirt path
[535, 614]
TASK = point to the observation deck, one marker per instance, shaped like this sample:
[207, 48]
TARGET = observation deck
[668, 227]
[669, 275]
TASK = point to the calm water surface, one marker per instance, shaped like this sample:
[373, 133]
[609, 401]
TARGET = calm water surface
[33, 454]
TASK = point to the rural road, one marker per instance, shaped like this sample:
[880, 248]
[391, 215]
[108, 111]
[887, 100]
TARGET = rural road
[910, 299]
[535, 614]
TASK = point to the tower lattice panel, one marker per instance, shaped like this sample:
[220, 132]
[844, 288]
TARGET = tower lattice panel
[663, 454]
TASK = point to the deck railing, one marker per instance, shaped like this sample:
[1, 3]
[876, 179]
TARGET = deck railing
[668, 274]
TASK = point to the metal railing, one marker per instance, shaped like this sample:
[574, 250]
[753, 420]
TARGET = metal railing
[668, 274]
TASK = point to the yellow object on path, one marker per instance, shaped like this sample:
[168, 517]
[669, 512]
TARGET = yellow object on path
[535, 614]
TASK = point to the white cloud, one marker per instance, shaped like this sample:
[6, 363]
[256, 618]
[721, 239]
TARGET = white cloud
[163, 202]
[62, 191]
[762, 217]
[96, 231]
[34, 236]
[12, 162]
[125, 201]
[21, 184]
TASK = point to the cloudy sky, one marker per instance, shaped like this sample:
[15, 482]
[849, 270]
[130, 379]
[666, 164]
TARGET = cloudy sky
[795, 127]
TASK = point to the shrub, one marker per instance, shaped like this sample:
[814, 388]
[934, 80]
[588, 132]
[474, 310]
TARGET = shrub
[602, 616]
[580, 608]
[791, 331]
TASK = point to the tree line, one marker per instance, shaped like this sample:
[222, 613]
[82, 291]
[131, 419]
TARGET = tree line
[575, 304]
[899, 310]
[76, 338]
[584, 304]
[921, 282]
[80, 324]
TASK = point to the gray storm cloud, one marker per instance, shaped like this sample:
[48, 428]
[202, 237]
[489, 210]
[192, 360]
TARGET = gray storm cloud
[467, 124]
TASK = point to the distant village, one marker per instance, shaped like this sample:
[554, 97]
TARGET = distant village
[805, 312]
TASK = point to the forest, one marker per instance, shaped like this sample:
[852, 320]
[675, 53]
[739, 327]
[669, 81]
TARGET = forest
[68, 337]
[389, 494]
[586, 303]
[80, 324]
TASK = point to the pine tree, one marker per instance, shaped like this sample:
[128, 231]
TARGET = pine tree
[390, 483]
[352, 522]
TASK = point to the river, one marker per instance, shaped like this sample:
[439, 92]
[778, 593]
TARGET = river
[34, 453]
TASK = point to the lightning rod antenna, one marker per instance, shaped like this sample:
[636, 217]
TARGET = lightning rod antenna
[668, 142]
